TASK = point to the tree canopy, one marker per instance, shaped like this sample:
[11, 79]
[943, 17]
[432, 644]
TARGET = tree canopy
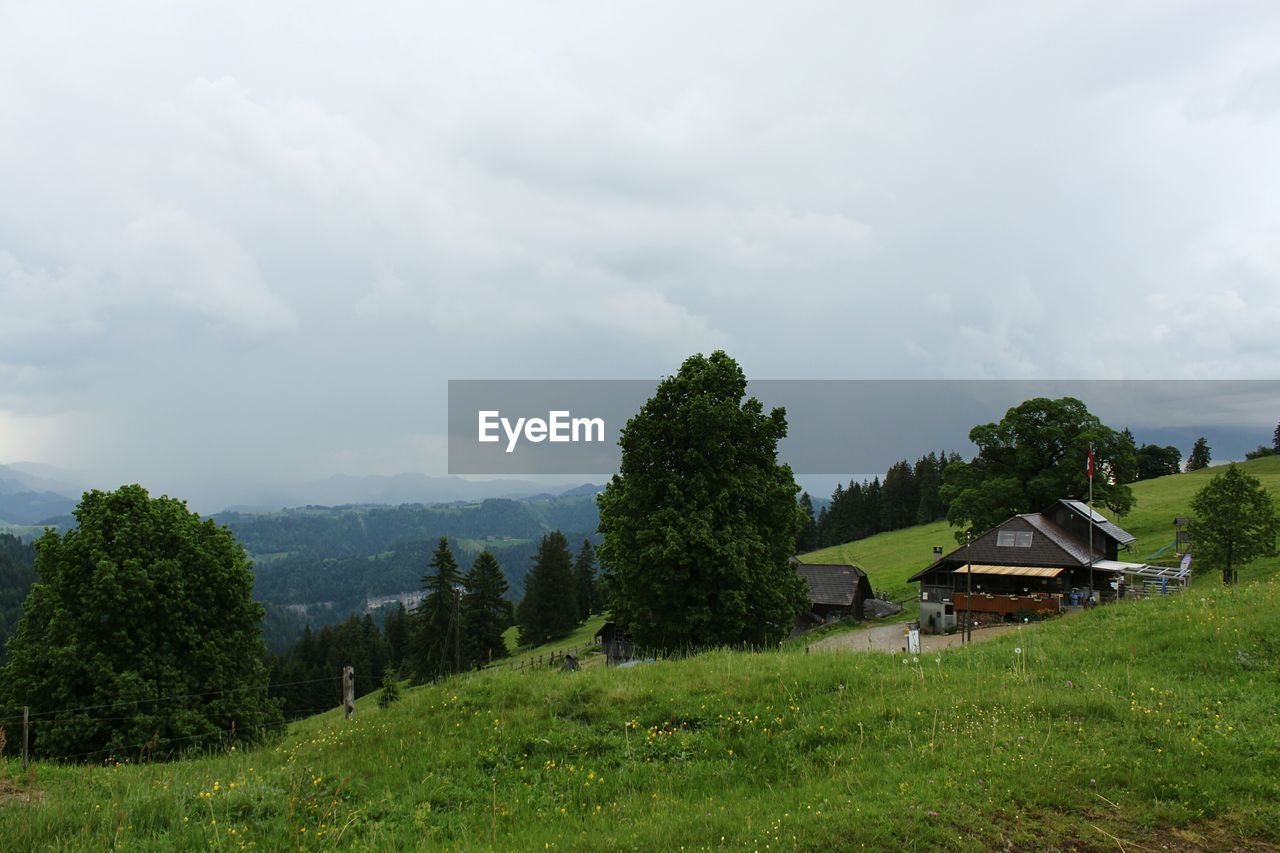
[140, 634]
[701, 522]
[1037, 453]
[1154, 461]
[1235, 522]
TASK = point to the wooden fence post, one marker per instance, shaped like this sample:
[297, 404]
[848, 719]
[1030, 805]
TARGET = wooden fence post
[348, 691]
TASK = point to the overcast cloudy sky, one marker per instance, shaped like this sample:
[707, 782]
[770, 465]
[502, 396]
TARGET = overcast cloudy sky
[246, 243]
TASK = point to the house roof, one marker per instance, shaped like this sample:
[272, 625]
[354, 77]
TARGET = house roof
[1100, 521]
[832, 584]
[1049, 545]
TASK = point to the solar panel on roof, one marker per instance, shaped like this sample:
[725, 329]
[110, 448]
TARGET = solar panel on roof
[1083, 508]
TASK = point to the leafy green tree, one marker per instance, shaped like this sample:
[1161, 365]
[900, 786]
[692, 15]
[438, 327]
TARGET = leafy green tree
[437, 633]
[484, 611]
[549, 609]
[140, 630]
[1156, 461]
[1200, 455]
[1275, 439]
[1235, 521]
[701, 522]
[1035, 455]
[584, 574]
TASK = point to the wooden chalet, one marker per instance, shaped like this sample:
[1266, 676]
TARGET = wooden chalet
[1032, 564]
[835, 592]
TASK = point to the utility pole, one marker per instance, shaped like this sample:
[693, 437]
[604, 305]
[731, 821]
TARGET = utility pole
[348, 691]
[26, 735]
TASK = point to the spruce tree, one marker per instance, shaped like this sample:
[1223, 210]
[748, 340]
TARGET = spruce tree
[807, 539]
[584, 574]
[1275, 438]
[484, 611]
[396, 626]
[1201, 453]
[436, 646]
[390, 688]
[549, 609]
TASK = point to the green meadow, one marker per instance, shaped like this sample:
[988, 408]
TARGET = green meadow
[1140, 724]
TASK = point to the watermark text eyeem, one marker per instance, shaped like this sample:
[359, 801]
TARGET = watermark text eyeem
[559, 426]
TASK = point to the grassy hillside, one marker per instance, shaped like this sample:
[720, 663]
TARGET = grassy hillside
[1147, 721]
[890, 558]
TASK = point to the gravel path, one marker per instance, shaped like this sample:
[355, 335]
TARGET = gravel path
[893, 639]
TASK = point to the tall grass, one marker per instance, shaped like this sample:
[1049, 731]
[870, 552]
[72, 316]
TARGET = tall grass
[1131, 720]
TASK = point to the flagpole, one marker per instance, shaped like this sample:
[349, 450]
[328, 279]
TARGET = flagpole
[1089, 590]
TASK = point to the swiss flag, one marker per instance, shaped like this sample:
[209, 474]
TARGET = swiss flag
[1089, 467]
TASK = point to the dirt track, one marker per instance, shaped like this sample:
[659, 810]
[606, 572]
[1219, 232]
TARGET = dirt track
[893, 639]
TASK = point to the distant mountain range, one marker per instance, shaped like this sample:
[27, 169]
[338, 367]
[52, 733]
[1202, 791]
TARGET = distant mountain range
[31, 493]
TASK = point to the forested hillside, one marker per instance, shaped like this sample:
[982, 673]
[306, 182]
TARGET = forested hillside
[17, 573]
[331, 560]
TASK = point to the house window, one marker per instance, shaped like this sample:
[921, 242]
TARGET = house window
[1013, 539]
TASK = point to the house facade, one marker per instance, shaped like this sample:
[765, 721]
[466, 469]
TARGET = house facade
[1031, 564]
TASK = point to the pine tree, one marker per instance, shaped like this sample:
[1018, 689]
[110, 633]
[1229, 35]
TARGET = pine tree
[549, 609]
[436, 647]
[390, 688]
[396, 627]
[807, 539]
[484, 611]
[584, 573]
[1275, 439]
[1201, 453]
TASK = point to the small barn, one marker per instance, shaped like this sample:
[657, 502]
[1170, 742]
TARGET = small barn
[836, 591]
[615, 644]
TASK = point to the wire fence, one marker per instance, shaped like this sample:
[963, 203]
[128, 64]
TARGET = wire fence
[170, 697]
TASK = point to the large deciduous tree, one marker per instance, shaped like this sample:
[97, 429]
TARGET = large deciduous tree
[140, 635]
[1036, 454]
[701, 522]
[1235, 522]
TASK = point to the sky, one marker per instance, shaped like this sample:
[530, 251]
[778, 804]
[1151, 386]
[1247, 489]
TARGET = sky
[247, 243]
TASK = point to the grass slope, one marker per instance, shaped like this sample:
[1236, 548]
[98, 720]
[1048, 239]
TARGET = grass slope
[1143, 720]
[1150, 722]
[890, 558]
